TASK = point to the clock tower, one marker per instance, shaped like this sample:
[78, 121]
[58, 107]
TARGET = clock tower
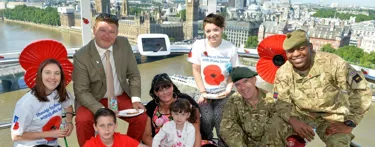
[191, 24]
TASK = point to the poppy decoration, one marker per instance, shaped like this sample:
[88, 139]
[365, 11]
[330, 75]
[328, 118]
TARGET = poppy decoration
[52, 124]
[272, 56]
[212, 75]
[37, 52]
[85, 20]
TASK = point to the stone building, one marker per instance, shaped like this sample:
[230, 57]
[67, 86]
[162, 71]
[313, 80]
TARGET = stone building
[335, 35]
[238, 31]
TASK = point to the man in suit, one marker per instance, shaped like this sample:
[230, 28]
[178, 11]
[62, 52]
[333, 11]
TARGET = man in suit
[90, 81]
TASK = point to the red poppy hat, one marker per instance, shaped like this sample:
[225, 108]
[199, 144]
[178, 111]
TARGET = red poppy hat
[272, 56]
[35, 53]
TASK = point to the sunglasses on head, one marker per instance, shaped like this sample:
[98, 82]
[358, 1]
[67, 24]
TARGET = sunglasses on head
[160, 77]
[106, 16]
[164, 86]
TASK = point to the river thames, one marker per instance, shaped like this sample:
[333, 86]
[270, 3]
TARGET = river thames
[14, 37]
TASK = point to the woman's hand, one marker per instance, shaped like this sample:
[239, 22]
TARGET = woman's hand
[202, 100]
[57, 133]
[69, 128]
[223, 94]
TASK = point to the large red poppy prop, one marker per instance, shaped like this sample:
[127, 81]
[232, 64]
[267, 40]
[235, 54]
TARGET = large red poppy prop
[35, 53]
[272, 56]
[212, 75]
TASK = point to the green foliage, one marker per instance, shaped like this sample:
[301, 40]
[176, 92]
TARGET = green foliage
[134, 11]
[330, 13]
[182, 14]
[353, 55]
[224, 36]
[48, 16]
[350, 53]
[368, 60]
[328, 48]
[251, 42]
[171, 39]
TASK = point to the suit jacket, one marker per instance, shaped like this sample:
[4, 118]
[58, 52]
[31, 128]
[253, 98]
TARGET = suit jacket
[89, 80]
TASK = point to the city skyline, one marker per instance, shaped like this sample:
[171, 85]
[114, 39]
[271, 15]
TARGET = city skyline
[340, 2]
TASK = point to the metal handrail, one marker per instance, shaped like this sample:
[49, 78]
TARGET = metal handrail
[246, 55]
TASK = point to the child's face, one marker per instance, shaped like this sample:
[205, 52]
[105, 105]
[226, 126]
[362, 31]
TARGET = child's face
[180, 118]
[106, 127]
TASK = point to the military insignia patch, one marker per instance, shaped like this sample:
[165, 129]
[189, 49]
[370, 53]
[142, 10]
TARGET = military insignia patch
[357, 78]
[275, 95]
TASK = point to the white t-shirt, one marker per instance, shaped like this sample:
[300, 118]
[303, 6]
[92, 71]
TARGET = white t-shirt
[169, 136]
[216, 63]
[31, 115]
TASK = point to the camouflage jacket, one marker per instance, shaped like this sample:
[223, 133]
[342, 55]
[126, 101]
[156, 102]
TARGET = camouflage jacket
[242, 125]
[331, 89]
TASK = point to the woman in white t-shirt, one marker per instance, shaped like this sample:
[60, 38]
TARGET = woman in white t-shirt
[38, 114]
[212, 60]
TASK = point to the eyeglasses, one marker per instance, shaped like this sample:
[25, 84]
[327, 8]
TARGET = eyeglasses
[107, 17]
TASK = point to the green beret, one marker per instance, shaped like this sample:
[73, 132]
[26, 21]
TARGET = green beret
[295, 39]
[239, 73]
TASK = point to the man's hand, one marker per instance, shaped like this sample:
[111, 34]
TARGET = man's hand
[338, 127]
[302, 129]
[138, 105]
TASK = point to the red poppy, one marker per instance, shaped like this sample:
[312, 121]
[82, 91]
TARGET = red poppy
[205, 53]
[212, 75]
[85, 20]
[35, 53]
[52, 124]
[272, 56]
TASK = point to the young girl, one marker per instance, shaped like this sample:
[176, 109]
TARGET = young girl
[179, 132]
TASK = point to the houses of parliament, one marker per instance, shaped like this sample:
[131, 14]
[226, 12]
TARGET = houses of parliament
[146, 22]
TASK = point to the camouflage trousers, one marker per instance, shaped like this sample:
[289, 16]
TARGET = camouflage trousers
[278, 131]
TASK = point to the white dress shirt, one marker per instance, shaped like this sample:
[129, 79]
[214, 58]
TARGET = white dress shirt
[116, 83]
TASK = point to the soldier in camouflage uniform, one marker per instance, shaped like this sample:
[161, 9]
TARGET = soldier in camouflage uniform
[316, 90]
[246, 112]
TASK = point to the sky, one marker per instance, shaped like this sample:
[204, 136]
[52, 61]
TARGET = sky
[343, 2]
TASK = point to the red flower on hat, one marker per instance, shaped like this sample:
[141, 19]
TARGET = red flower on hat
[52, 124]
[212, 75]
[35, 53]
[85, 20]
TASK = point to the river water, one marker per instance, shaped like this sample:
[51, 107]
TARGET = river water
[14, 37]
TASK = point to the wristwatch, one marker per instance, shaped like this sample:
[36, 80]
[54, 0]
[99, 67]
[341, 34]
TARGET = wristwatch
[350, 123]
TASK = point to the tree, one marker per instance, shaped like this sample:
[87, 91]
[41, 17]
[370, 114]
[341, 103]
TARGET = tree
[251, 42]
[171, 39]
[350, 53]
[224, 36]
[368, 60]
[328, 48]
[182, 14]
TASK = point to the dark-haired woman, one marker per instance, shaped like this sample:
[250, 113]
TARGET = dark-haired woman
[163, 93]
[212, 60]
[38, 114]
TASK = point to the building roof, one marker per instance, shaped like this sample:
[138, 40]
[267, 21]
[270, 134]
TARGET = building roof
[274, 27]
[325, 32]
